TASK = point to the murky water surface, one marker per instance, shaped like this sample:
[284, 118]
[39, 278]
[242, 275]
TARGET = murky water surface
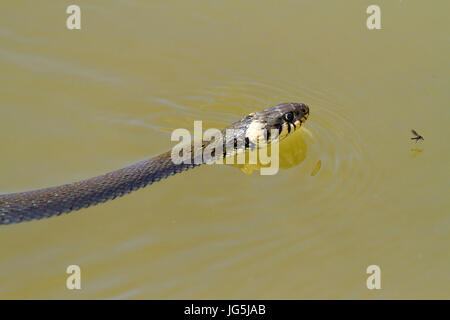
[353, 189]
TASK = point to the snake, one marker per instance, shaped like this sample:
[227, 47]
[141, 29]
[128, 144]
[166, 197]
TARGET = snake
[266, 126]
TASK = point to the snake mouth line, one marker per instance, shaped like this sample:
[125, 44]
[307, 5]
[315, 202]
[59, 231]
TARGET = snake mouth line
[293, 125]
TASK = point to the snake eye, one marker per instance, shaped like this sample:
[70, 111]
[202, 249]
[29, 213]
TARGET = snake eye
[304, 110]
[289, 116]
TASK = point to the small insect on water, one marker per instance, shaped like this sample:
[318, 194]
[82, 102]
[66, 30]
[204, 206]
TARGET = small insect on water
[417, 136]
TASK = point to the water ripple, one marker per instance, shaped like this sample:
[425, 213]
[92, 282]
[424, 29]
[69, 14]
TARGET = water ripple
[346, 169]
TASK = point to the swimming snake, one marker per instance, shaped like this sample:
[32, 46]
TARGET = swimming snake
[23, 206]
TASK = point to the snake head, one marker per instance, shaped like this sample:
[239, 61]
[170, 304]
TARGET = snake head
[285, 118]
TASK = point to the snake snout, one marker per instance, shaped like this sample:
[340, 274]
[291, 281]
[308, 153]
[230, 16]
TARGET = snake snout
[303, 109]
